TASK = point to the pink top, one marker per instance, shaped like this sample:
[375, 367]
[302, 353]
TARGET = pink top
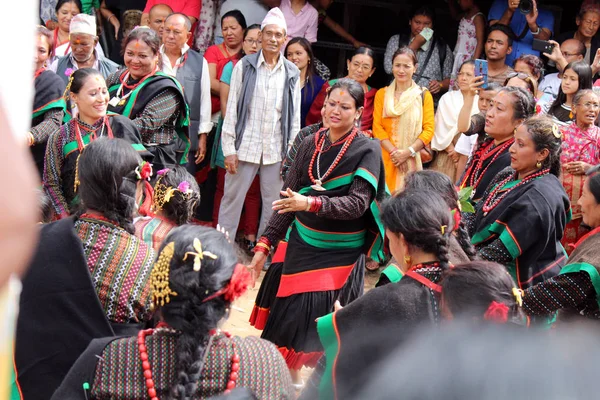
[303, 24]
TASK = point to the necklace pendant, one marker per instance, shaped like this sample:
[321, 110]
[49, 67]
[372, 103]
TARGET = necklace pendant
[115, 101]
[318, 186]
[485, 214]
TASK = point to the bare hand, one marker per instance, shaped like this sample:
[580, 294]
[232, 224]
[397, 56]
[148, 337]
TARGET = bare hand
[52, 25]
[419, 40]
[434, 87]
[454, 156]
[337, 306]
[475, 84]
[201, 152]
[513, 5]
[400, 157]
[294, 202]
[577, 167]
[257, 264]
[231, 163]
[533, 15]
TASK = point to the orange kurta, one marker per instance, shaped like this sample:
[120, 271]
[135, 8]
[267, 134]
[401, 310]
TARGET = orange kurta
[383, 128]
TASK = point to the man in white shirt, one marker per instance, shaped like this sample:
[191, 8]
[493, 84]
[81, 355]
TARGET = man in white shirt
[262, 120]
[191, 70]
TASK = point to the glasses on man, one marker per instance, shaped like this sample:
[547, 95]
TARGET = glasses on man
[277, 35]
[253, 42]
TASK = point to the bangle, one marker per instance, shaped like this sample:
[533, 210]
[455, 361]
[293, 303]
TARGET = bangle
[316, 205]
[30, 139]
[309, 203]
[536, 32]
[266, 241]
[413, 153]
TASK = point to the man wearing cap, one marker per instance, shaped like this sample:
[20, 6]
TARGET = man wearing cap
[83, 42]
[191, 70]
[261, 121]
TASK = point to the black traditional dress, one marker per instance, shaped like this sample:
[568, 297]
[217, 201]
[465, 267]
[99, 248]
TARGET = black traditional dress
[484, 165]
[324, 257]
[65, 145]
[113, 369]
[347, 334]
[88, 279]
[156, 105]
[49, 110]
[575, 292]
[523, 230]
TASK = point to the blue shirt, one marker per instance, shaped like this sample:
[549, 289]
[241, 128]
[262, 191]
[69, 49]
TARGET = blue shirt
[518, 24]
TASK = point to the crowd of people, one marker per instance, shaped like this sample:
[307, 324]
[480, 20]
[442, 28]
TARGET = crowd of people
[181, 160]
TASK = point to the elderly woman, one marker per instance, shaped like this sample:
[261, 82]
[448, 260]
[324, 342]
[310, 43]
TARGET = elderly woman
[90, 276]
[575, 292]
[195, 280]
[85, 51]
[588, 22]
[521, 218]
[154, 101]
[66, 10]
[403, 120]
[360, 68]
[580, 152]
[48, 104]
[446, 132]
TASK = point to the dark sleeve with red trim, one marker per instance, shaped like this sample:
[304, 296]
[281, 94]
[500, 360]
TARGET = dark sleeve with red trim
[51, 178]
[351, 206]
[279, 223]
[569, 290]
[52, 121]
[495, 251]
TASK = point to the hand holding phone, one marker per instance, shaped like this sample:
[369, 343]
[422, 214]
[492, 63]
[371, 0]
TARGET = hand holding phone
[543, 46]
[481, 69]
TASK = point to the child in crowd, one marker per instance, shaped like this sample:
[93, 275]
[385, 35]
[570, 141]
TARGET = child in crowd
[471, 34]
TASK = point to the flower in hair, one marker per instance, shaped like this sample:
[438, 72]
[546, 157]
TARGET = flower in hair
[163, 171]
[184, 187]
[198, 254]
[143, 171]
[237, 286]
[496, 312]
[69, 71]
[556, 132]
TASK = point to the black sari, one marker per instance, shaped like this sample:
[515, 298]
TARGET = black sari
[529, 223]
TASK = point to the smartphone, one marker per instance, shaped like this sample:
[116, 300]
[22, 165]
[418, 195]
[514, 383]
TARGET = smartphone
[543, 46]
[481, 69]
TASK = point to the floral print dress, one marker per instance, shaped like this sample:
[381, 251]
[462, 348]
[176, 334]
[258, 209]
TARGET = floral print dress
[466, 43]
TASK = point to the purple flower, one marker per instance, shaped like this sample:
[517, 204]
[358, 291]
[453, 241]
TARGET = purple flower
[69, 71]
[184, 187]
[163, 171]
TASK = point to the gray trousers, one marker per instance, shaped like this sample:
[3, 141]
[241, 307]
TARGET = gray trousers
[236, 187]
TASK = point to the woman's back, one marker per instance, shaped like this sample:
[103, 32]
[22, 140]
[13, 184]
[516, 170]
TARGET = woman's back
[119, 373]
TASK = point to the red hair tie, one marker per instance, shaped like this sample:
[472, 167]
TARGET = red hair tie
[240, 280]
[143, 172]
[457, 218]
[497, 312]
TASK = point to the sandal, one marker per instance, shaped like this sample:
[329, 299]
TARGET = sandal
[371, 265]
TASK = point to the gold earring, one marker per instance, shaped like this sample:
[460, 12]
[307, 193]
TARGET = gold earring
[407, 260]
[538, 165]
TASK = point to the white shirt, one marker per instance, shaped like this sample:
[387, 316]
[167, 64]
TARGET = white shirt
[205, 108]
[550, 84]
[261, 141]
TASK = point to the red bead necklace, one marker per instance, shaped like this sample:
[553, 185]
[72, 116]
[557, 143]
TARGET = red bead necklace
[147, 369]
[478, 172]
[492, 201]
[93, 137]
[317, 156]
[38, 73]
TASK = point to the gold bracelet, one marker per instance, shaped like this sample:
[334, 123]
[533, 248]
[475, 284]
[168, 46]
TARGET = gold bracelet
[264, 246]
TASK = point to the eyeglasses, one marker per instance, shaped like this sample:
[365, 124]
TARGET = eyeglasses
[253, 42]
[269, 35]
[590, 106]
[565, 54]
[520, 75]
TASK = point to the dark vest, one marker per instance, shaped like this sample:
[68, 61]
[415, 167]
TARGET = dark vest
[105, 66]
[189, 75]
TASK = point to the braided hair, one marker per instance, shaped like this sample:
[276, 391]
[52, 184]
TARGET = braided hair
[441, 184]
[423, 218]
[523, 102]
[181, 206]
[469, 289]
[187, 312]
[108, 182]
